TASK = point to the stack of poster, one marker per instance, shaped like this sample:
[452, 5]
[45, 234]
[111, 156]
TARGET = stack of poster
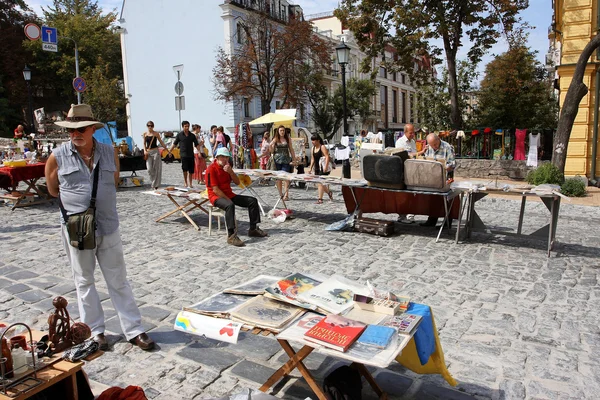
[265, 313]
[219, 305]
[289, 288]
[334, 295]
[255, 286]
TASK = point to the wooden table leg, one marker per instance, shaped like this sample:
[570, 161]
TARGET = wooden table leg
[294, 362]
[71, 387]
[365, 372]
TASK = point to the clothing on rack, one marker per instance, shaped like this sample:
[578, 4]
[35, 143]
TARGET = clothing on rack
[532, 156]
[520, 144]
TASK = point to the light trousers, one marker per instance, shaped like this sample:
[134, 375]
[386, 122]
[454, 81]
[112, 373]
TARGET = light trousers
[154, 167]
[109, 253]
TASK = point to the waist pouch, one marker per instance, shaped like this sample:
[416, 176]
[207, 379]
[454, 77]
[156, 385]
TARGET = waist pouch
[81, 228]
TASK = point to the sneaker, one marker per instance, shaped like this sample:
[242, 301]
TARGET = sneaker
[234, 240]
[257, 233]
[405, 219]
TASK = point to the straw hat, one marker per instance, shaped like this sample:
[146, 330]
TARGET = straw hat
[79, 115]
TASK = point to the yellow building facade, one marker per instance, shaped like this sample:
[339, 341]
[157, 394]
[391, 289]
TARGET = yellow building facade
[575, 23]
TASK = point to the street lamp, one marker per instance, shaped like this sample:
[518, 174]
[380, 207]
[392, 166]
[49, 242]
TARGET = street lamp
[343, 54]
[27, 77]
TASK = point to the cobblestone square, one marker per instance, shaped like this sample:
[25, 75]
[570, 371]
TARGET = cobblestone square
[513, 323]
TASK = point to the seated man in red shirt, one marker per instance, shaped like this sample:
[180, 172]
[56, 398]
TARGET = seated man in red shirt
[218, 182]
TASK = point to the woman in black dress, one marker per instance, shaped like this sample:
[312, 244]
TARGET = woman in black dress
[320, 164]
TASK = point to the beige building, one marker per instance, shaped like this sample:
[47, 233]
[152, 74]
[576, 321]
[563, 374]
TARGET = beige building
[575, 23]
[395, 103]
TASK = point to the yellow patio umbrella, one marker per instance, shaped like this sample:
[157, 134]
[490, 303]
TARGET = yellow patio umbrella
[272, 118]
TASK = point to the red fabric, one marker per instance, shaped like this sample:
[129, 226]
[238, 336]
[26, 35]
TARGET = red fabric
[389, 202]
[18, 174]
[520, 145]
[216, 176]
[117, 393]
[487, 131]
[475, 132]
[199, 168]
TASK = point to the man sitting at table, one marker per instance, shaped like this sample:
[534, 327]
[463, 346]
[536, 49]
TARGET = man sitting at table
[218, 182]
[436, 148]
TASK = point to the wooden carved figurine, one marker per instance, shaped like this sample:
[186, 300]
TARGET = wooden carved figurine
[59, 335]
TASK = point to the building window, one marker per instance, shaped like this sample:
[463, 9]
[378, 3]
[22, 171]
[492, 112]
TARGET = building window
[403, 78]
[277, 105]
[239, 34]
[246, 107]
[403, 107]
[395, 77]
[394, 106]
[382, 72]
[383, 102]
[302, 112]
[413, 107]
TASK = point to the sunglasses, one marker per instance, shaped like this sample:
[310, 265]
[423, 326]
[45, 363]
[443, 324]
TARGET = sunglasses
[80, 130]
[150, 126]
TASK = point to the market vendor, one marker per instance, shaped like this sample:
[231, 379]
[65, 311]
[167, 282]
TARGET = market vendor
[19, 132]
[219, 176]
[407, 142]
[436, 148]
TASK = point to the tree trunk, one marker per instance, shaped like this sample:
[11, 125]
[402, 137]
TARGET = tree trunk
[455, 113]
[577, 90]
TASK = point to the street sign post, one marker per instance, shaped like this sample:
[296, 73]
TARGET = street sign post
[79, 85]
[49, 39]
[179, 88]
[32, 31]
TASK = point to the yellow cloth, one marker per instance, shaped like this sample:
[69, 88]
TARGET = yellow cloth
[436, 364]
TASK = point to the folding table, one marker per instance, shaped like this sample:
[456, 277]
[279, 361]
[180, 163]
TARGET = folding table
[185, 205]
[10, 177]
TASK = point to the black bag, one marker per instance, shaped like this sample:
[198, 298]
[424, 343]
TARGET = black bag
[81, 227]
[343, 384]
[384, 171]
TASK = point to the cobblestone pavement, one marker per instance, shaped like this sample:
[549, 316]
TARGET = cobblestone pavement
[513, 323]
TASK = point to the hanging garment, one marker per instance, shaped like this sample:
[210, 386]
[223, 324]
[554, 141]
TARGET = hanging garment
[520, 145]
[532, 156]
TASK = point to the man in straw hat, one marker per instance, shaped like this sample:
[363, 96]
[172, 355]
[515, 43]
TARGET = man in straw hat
[218, 182]
[70, 174]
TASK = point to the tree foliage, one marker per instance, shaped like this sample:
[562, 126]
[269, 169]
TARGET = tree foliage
[434, 110]
[105, 94]
[14, 15]
[269, 61]
[515, 92]
[82, 21]
[328, 110]
[415, 23]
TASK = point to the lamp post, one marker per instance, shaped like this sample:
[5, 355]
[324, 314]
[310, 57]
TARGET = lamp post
[343, 54]
[27, 77]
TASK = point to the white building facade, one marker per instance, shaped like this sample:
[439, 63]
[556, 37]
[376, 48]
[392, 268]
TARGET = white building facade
[156, 35]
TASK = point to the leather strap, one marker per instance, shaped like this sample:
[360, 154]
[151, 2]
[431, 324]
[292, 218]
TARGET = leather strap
[93, 199]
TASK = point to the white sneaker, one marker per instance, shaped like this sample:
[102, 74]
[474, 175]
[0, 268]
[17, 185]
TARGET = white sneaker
[406, 219]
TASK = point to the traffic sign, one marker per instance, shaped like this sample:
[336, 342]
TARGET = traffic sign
[179, 88]
[32, 31]
[178, 69]
[49, 47]
[179, 103]
[49, 35]
[79, 84]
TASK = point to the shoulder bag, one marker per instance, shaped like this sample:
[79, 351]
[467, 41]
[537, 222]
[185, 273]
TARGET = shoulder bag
[81, 227]
[148, 148]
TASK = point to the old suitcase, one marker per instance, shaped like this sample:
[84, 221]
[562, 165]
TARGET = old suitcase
[384, 171]
[374, 226]
[426, 175]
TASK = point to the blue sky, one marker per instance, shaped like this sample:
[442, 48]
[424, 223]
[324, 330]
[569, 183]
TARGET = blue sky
[538, 15]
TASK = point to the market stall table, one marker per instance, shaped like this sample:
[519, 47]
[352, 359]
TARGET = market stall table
[550, 200]
[371, 199]
[28, 174]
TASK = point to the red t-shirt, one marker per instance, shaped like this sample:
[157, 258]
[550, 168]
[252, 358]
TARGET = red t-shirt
[216, 176]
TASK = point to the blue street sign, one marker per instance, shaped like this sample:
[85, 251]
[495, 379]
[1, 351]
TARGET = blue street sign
[49, 35]
[79, 84]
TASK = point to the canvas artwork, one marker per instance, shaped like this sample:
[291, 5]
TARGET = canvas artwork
[266, 313]
[218, 304]
[254, 286]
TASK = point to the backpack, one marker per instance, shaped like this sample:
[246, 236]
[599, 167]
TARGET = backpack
[343, 384]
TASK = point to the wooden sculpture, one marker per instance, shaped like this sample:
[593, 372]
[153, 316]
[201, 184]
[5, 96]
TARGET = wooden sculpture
[59, 335]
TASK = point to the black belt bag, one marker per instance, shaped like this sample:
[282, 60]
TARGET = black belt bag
[81, 227]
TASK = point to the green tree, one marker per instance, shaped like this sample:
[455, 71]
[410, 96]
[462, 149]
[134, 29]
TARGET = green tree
[267, 59]
[415, 22]
[14, 14]
[435, 108]
[517, 97]
[105, 95]
[83, 22]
